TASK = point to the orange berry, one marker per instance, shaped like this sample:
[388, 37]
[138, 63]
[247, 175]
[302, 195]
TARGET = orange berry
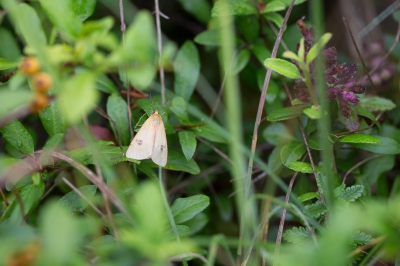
[30, 65]
[39, 102]
[42, 82]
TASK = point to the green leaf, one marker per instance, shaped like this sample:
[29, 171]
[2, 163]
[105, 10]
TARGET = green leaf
[359, 138]
[283, 67]
[96, 32]
[360, 238]
[209, 133]
[339, 190]
[141, 75]
[298, 235]
[185, 209]
[187, 140]
[84, 8]
[199, 9]
[117, 109]
[4, 64]
[9, 47]
[316, 209]
[317, 47]
[17, 135]
[61, 14]
[308, 196]
[301, 167]
[286, 113]
[52, 120]
[178, 162]
[140, 40]
[366, 113]
[197, 223]
[291, 55]
[292, 151]
[179, 109]
[30, 196]
[375, 168]
[51, 144]
[273, 6]
[277, 133]
[186, 70]
[249, 27]
[74, 202]
[261, 52]
[208, 37]
[322, 183]
[274, 159]
[10, 100]
[313, 142]
[78, 96]
[312, 113]
[111, 154]
[233, 7]
[147, 170]
[104, 84]
[276, 18]
[240, 61]
[352, 193]
[30, 26]
[386, 146]
[140, 122]
[377, 104]
[183, 231]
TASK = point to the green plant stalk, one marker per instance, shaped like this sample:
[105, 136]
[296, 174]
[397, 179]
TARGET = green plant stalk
[168, 209]
[310, 86]
[324, 122]
[233, 115]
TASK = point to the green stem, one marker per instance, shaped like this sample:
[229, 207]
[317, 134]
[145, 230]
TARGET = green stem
[168, 209]
[310, 87]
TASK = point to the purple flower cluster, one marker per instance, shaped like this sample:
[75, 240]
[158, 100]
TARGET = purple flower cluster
[339, 77]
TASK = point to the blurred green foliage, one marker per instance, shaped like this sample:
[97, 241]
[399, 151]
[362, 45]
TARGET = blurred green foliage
[69, 196]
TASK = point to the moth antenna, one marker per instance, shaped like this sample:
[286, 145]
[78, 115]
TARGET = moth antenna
[165, 102]
[152, 102]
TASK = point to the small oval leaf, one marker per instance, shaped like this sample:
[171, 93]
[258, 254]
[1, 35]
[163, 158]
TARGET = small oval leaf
[386, 146]
[185, 209]
[117, 109]
[283, 67]
[359, 138]
[286, 113]
[186, 70]
[188, 142]
[292, 152]
[317, 47]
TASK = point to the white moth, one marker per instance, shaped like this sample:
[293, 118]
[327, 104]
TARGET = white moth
[150, 141]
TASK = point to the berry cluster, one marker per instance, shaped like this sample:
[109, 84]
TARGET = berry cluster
[41, 82]
[339, 77]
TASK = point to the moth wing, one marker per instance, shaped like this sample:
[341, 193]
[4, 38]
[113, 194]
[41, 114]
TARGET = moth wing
[160, 150]
[142, 144]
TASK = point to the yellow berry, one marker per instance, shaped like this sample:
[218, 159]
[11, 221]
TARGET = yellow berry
[30, 65]
[39, 102]
[42, 82]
